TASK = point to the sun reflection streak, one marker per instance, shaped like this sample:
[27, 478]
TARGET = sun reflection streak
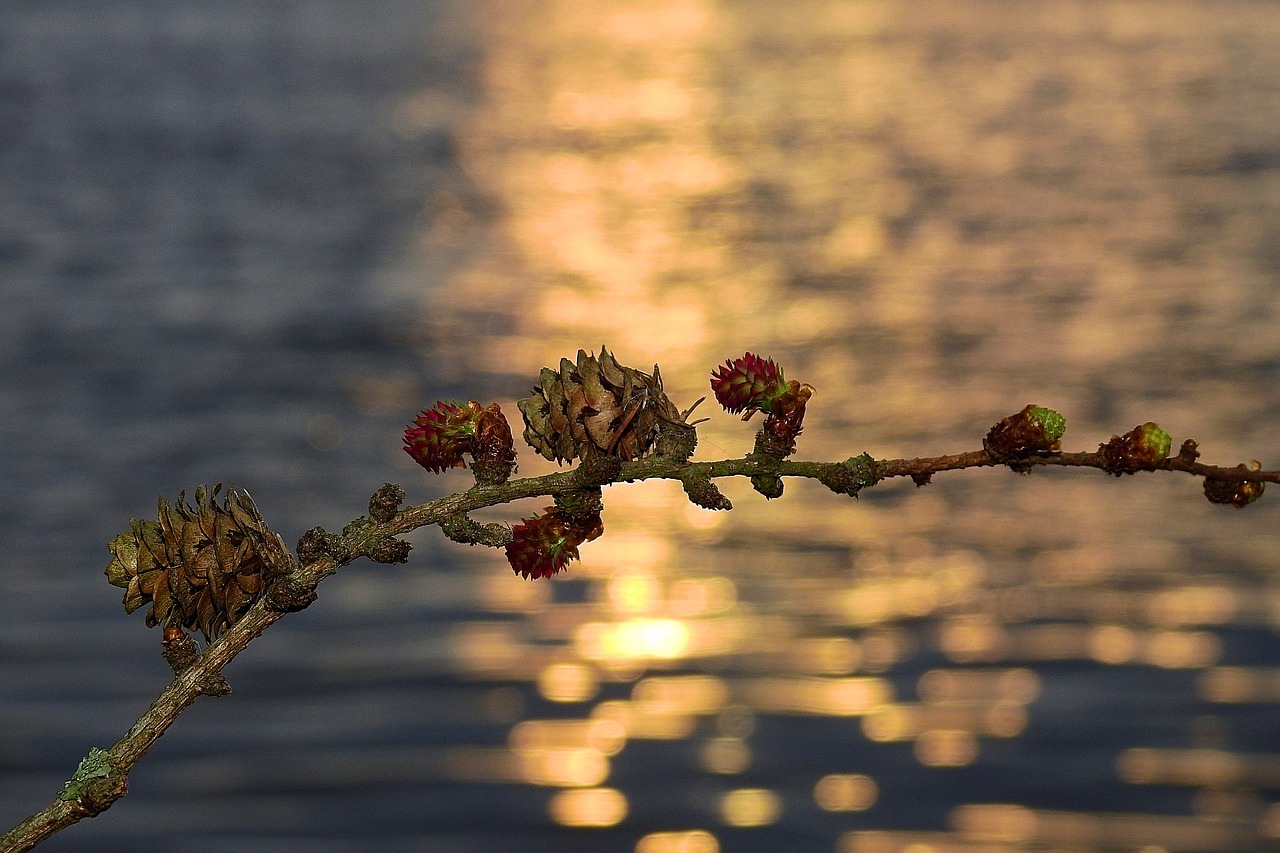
[588, 807]
[845, 792]
[689, 841]
[654, 202]
[749, 807]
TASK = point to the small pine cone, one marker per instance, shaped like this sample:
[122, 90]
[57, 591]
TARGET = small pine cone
[200, 567]
[1142, 448]
[1034, 431]
[749, 384]
[543, 545]
[597, 406]
[1238, 493]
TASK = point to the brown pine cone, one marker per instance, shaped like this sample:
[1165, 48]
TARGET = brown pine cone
[199, 567]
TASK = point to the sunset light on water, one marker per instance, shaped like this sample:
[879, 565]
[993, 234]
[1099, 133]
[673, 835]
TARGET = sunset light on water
[931, 218]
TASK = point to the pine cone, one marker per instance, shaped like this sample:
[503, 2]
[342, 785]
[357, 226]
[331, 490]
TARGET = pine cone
[597, 406]
[439, 436]
[200, 567]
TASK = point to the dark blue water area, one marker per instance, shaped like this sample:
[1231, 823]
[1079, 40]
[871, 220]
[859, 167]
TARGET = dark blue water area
[195, 207]
[198, 203]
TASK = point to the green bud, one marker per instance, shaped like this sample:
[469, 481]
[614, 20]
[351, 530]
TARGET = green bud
[1052, 422]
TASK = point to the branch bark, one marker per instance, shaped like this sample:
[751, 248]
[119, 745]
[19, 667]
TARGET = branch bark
[94, 790]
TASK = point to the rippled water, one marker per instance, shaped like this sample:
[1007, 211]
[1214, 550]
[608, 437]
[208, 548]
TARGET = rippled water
[246, 243]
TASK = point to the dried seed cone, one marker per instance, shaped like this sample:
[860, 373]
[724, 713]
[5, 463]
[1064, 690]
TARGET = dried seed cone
[199, 567]
[1142, 448]
[596, 406]
[492, 449]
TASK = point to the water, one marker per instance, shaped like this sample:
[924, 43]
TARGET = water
[247, 243]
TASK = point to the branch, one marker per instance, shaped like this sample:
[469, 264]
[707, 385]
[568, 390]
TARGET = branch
[189, 592]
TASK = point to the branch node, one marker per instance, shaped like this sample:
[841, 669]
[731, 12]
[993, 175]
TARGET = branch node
[774, 442]
[95, 785]
[769, 485]
[390, 550]
[1238, 493]
[703, 492]
[599, 469]
[1189, 451]
[580, 503]
[492, 472]
[385, 502]
[182, 653]
[1032, 433]
[97, 795]
[853, 475]
[289, 594]
[1143, 448]
[677, 441]
[461, 528]
[318, 543]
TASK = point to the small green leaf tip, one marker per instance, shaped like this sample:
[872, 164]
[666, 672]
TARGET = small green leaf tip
[1157, 440]
[1051, 421]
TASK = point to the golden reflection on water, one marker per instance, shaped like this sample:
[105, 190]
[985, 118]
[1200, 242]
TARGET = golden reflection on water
[933, 221]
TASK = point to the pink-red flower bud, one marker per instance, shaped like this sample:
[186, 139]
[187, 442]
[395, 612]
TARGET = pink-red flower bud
[749, 384]
[543, 545]
[438, 438]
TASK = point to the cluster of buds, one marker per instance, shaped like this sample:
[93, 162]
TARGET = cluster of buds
[595, 409]
[753, 384]
[1034, 431]
[1238, 493]
[439, 436]
[1142, 448]
[543, 545]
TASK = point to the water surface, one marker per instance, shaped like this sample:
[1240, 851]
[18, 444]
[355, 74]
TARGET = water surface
[246, 244]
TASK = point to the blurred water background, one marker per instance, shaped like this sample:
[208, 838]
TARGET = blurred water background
[246, 242]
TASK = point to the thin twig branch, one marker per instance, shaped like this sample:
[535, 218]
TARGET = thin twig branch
[92, 791]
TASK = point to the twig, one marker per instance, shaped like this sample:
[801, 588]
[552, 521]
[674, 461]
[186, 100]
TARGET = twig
[102, 777]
